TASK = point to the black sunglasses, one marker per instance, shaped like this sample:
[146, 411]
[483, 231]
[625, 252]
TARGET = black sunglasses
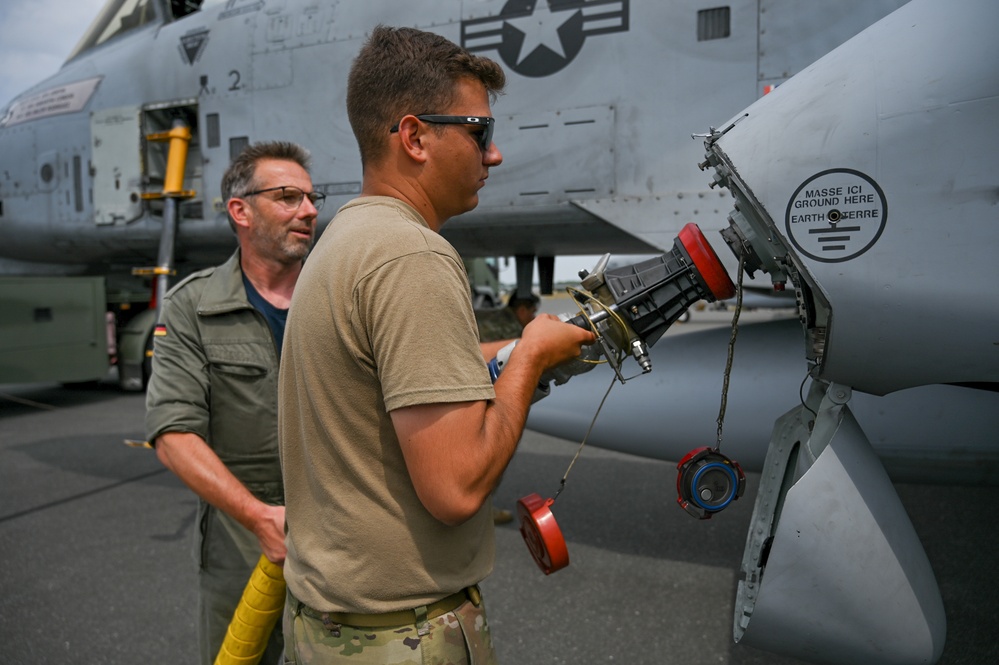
[292, 197]
[485, 139]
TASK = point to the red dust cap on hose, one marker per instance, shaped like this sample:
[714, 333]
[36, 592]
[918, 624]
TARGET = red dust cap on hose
[706, 261]
[541, 533]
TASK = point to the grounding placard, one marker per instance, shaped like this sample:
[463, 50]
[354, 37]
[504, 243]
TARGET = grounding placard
[836, 215]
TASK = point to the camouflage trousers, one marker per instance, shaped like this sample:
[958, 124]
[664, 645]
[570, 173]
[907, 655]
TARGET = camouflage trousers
[459, 637]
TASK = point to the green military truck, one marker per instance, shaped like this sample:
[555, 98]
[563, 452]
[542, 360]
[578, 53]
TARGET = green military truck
[73, 330]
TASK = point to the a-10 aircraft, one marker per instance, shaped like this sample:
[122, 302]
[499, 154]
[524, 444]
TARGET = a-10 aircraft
[595, 129]
[860, 184]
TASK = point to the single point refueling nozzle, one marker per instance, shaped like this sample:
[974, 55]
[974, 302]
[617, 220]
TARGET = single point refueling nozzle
[629, 308]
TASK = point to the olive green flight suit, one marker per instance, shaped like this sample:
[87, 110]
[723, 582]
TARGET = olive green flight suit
[215, 368]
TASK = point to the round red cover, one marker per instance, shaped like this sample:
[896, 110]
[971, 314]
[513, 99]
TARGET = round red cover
[706, 262]
[541, 533]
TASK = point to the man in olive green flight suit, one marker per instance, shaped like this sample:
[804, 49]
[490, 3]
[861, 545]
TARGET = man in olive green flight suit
[211, 406]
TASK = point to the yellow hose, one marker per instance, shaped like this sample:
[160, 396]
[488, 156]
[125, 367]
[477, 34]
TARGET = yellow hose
[256, 615]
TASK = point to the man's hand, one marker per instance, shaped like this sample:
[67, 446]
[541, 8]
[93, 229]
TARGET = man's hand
[551, 341]
[269, 530]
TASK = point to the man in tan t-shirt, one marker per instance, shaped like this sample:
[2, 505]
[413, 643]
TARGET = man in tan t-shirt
[392, 436]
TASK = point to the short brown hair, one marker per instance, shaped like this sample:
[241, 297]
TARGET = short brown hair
[404, 70]
[238, 178]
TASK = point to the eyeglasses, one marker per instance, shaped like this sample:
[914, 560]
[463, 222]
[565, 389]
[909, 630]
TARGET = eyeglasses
[485, 139]
[291, 197]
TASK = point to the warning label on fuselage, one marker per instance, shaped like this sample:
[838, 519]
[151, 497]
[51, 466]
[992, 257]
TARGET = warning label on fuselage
[836, 215]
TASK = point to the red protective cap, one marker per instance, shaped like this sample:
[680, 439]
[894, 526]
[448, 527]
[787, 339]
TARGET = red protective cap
[541, 533]
[706, 261]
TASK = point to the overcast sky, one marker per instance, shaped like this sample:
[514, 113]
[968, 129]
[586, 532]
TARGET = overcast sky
[37, 35]
[35, 38]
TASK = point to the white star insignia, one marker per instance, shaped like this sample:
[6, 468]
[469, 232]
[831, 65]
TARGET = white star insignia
[540, 29]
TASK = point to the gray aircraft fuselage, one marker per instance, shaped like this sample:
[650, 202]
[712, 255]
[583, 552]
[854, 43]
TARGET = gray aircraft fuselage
[594, 127]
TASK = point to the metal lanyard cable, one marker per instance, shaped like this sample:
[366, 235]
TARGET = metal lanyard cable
[708, 481]
[585, 437]
[731, 352]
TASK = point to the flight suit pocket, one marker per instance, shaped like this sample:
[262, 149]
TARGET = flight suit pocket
[248, 360]
[244, 371]
[243, 385]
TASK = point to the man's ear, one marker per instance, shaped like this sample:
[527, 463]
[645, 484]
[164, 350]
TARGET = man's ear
[412, 136]
[239, 211]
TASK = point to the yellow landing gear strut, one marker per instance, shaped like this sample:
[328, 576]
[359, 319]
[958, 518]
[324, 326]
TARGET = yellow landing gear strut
[179, 138]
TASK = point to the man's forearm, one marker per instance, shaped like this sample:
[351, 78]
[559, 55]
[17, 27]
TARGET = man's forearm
[456, 453]
[197, 465]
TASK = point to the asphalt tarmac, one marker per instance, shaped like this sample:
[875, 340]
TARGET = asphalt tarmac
[95, 545]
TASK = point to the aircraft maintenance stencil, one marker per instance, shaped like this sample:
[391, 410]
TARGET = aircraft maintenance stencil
[536, 41]
[67, 98]
[836, 215]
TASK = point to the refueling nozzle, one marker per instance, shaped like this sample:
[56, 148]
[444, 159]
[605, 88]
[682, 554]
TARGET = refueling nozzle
[629, 308]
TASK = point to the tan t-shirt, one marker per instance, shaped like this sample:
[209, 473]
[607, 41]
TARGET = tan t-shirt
[381, 318]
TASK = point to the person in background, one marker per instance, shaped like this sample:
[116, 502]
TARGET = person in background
[507, 322]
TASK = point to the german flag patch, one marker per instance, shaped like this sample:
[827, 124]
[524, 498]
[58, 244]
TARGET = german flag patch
[160, 331]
